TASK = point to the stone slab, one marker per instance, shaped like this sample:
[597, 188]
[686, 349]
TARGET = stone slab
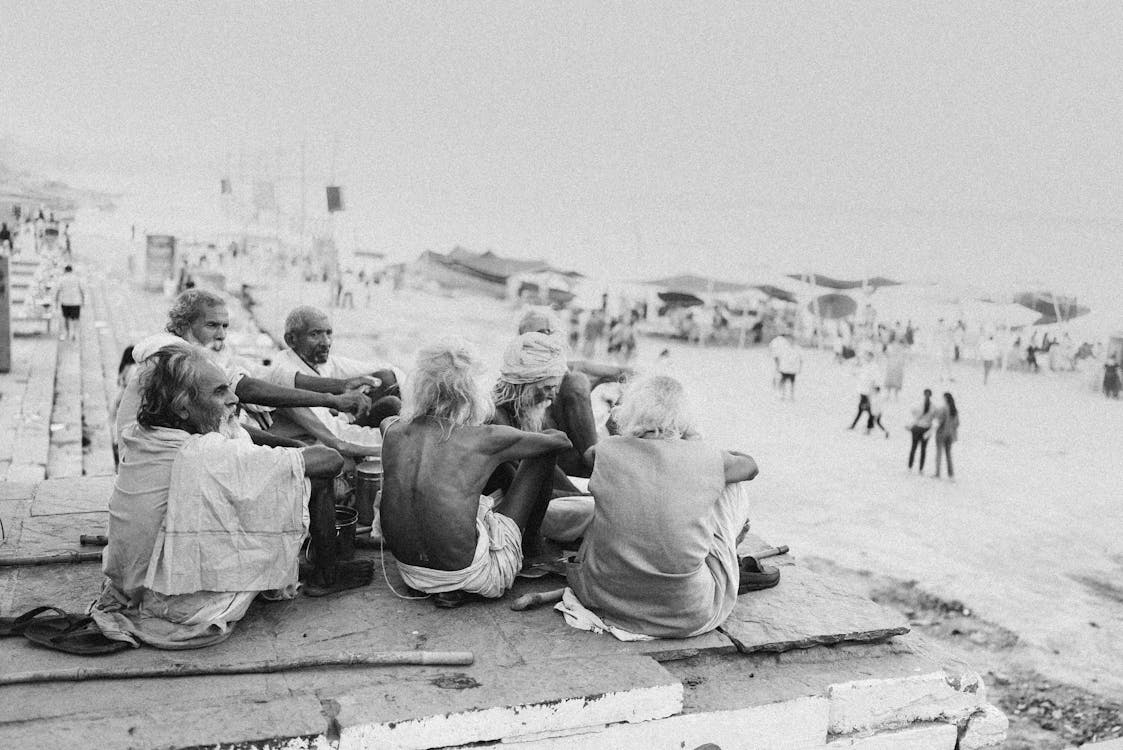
[43, 535]
[798, 724]
[65, 455]
[489, 704]
[808, 609]
[863, 705]
[72, 495]
[718, 683]
[925, 737]
[987, 728]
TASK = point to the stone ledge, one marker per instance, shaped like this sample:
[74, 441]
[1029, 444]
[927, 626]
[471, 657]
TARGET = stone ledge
[792, 725]
[926, 737]
[864, 705]
[987, 728]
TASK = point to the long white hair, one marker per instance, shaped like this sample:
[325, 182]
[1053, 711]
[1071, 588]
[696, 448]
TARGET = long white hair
[445, 385]
[655, 407]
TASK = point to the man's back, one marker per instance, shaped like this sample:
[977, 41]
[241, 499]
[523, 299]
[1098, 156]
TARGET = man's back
[431, 492]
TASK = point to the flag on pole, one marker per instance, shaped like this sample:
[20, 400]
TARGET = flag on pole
[224, 186]
[335, 198]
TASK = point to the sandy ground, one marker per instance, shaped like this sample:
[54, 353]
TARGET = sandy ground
[1027, 537]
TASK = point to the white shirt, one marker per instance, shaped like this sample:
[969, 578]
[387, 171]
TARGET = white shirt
[69, 290]
[283, 372]
[790, 361]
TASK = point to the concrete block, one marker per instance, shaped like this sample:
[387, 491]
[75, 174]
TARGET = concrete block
[928, 737]
[24, 473]
[887, 703]
[486, 704]
[987, 728]
[72, 495]
[808, 609]
[790, 725]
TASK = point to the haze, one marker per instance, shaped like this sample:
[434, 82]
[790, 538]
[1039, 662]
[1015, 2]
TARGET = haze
[974, 141]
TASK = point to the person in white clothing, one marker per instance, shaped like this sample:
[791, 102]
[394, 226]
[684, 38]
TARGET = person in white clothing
[309, 363]
[988, 353]
[70, 296]
[789, 362]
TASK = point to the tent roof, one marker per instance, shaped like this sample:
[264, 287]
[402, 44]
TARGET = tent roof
[688, 283]
[819, 279]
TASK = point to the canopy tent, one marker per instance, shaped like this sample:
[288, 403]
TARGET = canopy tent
[776, 292]
[1053, 308]
[698, 285]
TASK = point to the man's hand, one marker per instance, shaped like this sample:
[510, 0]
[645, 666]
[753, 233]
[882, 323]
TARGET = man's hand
[354, 450]
[353, 402]
[362, 381]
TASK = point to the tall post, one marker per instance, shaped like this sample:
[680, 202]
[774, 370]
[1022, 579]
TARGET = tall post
[5, 315]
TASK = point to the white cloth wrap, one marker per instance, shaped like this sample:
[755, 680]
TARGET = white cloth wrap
[534, 356]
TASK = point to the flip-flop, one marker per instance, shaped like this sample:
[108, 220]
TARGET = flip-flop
[13, 626]
[755, 577]
[351, 574]
[81, 636]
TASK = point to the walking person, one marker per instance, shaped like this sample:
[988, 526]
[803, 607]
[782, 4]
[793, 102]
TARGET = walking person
[868, 377]
[947, 432]
[988, 353]
[921, 425]
[789, 362]
[877, 406]
[69, 297]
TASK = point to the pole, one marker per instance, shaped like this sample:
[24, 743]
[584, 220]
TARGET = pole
[5, 314]
[189, 669]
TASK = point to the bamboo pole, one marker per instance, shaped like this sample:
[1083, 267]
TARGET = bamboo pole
[62, 557]
[192, 669]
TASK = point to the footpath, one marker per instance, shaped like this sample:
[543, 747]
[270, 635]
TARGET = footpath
[808, 664]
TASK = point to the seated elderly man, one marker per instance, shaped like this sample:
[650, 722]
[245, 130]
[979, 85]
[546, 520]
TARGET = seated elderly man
[199, 523]
[660, 557]
[571, 409]
[449, 538]
[309, 363]
[200, 317]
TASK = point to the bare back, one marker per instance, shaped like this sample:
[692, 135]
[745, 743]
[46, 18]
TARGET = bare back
[432, 485]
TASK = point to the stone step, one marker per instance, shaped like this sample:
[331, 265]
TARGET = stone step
[64, 458]
[97, 458]
[32, 439]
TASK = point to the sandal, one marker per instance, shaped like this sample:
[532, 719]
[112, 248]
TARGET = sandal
[13, 626]
[82, 636]
[755, 577]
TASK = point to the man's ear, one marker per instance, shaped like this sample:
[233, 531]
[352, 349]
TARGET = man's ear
[289, 339]
[182, 412]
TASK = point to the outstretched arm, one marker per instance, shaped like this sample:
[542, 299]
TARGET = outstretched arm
[337, 386]
[311, 424]
[254, 391]
[509, 444]
[739, 467]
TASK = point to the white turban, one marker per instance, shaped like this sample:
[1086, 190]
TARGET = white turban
[532, 357]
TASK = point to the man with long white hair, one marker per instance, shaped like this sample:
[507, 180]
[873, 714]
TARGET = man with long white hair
[660, 557]
[449, 538]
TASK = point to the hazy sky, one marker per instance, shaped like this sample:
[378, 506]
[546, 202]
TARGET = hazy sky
[901, 138]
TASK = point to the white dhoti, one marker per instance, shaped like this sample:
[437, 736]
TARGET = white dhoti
[498, 559]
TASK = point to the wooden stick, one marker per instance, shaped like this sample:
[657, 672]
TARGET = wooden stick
[63, 557]
[530, 601]
[189, 669]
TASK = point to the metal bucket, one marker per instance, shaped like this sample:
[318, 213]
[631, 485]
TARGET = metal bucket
[346, 519]
[368, 485]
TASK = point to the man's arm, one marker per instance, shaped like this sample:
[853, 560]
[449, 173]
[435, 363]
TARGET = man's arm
[255, 391]
[739, 467]
[337, 386]
[268, 439]
[321, 462]
[311, 424]
[509, 444]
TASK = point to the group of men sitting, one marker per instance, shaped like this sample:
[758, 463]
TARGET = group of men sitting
[225, 472]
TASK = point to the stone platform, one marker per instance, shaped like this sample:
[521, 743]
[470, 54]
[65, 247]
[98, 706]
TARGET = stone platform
[808, 664]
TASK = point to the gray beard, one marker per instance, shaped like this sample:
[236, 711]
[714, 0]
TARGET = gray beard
[532, 419]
